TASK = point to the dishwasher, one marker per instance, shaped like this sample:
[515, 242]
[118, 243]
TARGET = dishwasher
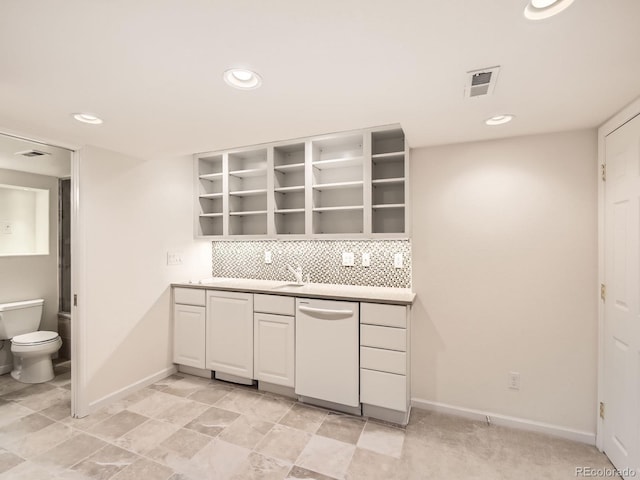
[327, 351]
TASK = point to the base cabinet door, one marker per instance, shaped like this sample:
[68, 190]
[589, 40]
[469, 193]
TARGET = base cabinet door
[274, 349]
[189, 335]
[229, 333]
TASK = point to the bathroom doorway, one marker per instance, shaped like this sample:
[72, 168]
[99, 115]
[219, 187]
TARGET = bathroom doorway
[35, 245]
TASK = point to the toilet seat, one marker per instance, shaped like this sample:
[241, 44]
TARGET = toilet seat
[35, 338]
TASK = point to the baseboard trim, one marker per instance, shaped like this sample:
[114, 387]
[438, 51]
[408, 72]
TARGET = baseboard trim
[129, 389]
[507, 421]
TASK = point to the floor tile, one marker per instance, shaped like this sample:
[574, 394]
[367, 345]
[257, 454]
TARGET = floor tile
[45, 399]
[211, 394]
[58, 410]
[146, 436]
[304, 418]
[299, 473]
[382, 439]
[238, 400]
[88, 422]
[327, 456]
[345, 428]
[182, 388]
[23, 392]
[218, 460]
[283, 443]
[21, 427]
[8, 460]
[154, 404]
[34, 444]
[144, 469]
[182, 412]
[212, 421]
[259, 467]
[165, 382]
[11, 411]
[28, 471]
[105, 463]
[70, 451]
[368, 465]
[246, 431]
[186, 442]
[270, 408]
[117, 425]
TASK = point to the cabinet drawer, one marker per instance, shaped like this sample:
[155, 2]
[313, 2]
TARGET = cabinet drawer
[189, 296]
[386, 315]
[383, 389]
[383, 360]
[383, 337]
[273, 304]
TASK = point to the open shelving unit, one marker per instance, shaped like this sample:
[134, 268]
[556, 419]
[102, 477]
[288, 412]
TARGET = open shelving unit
[338, 185]
[289, 188]
[344, 185]
[388, 182]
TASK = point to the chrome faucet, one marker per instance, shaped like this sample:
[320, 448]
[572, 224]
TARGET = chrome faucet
[297, 272]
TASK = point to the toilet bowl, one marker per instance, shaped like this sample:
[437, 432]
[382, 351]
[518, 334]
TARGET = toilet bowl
[31, 349]
[32, 356]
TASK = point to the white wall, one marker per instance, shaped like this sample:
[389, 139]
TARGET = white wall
[34, 276]
[505, 271]
[132, 212]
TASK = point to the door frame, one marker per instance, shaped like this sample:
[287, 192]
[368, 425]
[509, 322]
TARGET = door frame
[79, 404]
[608, 127]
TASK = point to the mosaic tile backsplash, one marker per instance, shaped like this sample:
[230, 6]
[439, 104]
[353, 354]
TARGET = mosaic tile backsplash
[321, 259]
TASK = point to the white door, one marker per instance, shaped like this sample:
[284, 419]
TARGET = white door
[230, 333]
[621, 424]
[274, 349]
[188, 335]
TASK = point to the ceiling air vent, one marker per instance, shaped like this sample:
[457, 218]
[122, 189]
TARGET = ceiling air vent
[32, 153]
[481, 82]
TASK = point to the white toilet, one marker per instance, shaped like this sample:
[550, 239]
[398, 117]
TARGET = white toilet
[31, 349]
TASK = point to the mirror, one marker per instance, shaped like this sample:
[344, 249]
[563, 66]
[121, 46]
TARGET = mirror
[29, 176]
[24, 221]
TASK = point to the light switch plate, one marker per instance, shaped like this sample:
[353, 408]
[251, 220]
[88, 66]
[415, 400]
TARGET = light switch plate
[268, 258]
[398, 260]
[348, 259]
[366, 259]
[6, 228]
[174, 258]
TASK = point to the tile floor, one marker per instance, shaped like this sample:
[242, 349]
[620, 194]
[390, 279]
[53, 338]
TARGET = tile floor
[189, 428]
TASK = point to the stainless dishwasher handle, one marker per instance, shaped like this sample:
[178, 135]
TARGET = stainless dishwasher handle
[325, 311]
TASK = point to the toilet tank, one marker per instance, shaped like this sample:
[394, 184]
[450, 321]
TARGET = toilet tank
[17, 318]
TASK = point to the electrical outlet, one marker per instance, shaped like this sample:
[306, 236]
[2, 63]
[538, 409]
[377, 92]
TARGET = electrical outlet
[348, 259]
[398, 260]
[6, 228]
[268, 259]
[174, 258]
[513, 381]
[366, 259]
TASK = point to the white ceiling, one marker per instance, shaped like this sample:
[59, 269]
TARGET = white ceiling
[153, 69]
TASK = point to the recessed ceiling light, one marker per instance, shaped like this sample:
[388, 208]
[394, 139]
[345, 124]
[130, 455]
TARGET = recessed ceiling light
[499, 119]
[87, 118]
[541, 9]
[242, 78]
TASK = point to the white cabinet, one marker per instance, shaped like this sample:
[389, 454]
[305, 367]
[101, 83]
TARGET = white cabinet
[274, 339]
[352, 184]
[384, 361]
[189, 327]
[229, 333]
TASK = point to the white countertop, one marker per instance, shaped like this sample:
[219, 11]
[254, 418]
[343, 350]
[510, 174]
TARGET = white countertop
[400, 296]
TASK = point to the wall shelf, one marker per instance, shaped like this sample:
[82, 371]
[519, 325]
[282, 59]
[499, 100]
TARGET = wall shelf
[351, 184]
